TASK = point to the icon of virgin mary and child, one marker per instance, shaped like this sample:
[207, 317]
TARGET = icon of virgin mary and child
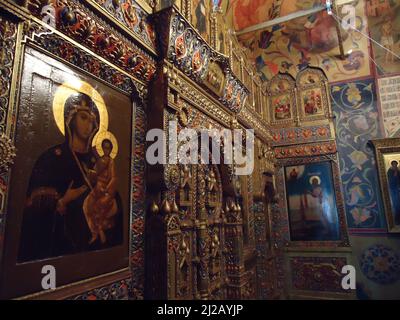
[72, 203]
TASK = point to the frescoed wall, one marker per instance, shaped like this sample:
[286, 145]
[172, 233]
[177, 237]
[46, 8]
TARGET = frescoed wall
[364, 94]
[384, 26]
[357, 121]
[294, 45]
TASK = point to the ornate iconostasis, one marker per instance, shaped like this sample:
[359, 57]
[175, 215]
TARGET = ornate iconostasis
[84, 82]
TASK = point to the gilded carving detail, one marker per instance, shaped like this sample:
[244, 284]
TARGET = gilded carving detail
[76, 21]
[193, 56]
[7, 153]
[130, 14]
[8, 31]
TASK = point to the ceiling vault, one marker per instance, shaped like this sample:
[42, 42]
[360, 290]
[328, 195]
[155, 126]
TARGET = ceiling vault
[331, 6]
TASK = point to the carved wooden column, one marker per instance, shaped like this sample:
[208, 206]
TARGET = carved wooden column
[234, 246]
[202, 236]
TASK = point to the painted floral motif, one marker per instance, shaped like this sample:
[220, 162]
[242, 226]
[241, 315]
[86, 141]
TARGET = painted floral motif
[355, 107]
[360, 215]
[116, 291]
[361, 123]
[305, 150]
[309, 134]
[133, 16]
[353, 94]
[380, 264]
[358, 158]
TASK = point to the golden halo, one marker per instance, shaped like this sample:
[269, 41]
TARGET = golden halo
[391, 160]
[315, 177]
[100, 137]
[68, 88]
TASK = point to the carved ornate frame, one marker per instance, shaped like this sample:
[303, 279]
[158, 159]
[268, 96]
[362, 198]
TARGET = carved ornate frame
[322, 85]
[289, 93]
[295, 92]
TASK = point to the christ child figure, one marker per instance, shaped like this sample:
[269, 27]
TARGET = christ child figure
[100, 205]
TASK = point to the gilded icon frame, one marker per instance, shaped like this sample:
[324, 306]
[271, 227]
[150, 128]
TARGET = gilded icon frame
[387, 150]
[33, 34]
[343, 240]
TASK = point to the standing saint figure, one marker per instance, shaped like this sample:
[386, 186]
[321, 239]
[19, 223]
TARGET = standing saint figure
[393, 175]
[313, 209]
[387, 39]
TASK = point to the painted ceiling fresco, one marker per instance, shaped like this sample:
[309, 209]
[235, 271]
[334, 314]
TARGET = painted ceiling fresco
[384, 27]
[291, 46]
